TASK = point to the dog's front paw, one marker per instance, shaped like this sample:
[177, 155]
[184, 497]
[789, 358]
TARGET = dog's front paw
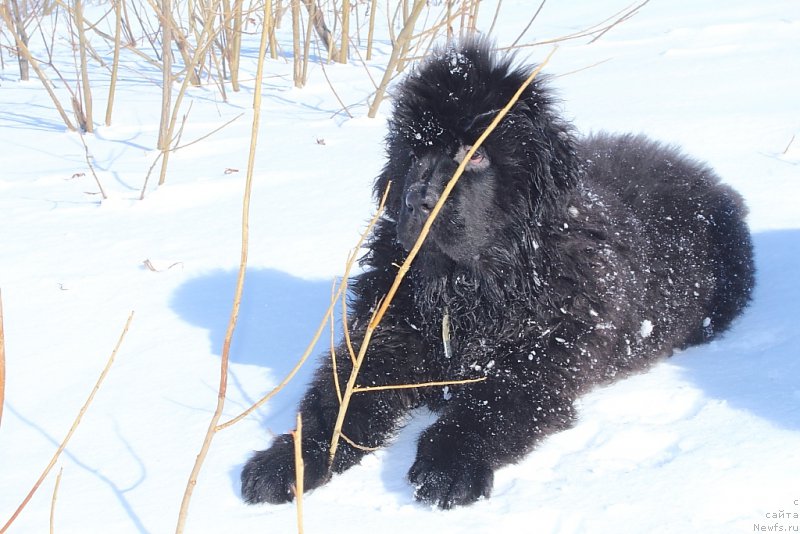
[445, 476]
[269, 476]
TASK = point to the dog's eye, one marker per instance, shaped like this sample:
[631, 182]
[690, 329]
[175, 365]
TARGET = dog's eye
[478, 160]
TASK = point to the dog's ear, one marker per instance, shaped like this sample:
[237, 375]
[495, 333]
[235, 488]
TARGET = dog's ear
[522, 115]
[393, 176]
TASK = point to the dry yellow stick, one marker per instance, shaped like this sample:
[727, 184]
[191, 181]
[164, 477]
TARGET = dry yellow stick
[166, 79]
[86, 88]
[53, 501]
[333, 345]
[348, 391]
[307, 49]
[2, 360]
[343, 51]
[357, 446]
[320, 328]
[270, 24]
[297, 66]
[371, 31]
[359, 389]
[297, 437]
[115, 62]
[72, 429]
[400, 46]
[236, 47]
[237, 298]
[387, 300]
[209, 33]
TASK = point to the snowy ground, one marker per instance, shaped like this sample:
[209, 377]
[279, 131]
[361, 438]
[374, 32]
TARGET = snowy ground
[708, 441]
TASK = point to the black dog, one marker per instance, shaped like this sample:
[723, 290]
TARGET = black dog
[559, 263]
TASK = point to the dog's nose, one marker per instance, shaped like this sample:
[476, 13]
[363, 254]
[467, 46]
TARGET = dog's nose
[418, 198]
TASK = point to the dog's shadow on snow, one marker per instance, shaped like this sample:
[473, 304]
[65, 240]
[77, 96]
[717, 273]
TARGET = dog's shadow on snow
[754, 367]
[278, 316]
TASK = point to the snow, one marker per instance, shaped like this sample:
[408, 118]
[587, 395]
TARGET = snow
[646, 328]
[706, 441]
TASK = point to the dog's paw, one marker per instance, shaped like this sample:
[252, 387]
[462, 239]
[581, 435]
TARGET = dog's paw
[445, 476]
[269, 476]
[449, 486]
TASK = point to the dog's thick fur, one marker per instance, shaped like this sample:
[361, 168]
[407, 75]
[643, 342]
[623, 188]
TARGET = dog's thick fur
[560, 263]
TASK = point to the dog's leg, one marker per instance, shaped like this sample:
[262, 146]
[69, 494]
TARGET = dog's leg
[269, 475]
[490, 424]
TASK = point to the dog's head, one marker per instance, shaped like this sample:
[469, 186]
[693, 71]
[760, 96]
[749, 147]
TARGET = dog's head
[440, 111]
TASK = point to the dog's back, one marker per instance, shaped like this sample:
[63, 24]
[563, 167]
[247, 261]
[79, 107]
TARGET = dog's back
[692, 228]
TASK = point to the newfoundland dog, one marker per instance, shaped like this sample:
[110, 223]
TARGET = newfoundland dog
[558, 262]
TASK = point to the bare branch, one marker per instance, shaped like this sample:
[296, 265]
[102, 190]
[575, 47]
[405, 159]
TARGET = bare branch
[299, 471]
[2, 360]
[237, 298]
[72, 429]
[53, 502]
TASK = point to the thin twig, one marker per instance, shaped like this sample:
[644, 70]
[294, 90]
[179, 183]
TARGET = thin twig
[299, 470]
[209, 134]
[398, 48]
[237, 298]
[85, 86]
[2, 359]
[342, 288]
[786, 150]
[587, 67]
[364, 64]
[371, 30]
[325, 73]
[149, 172]
[91, 167]
[333, 345]
[530, 23]
[496, 15]
[53, 501]
[598, 30]
[358, 445]
[366, 389]
[622, 19]
[164, 130]
[115, 62]
[72, 429]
